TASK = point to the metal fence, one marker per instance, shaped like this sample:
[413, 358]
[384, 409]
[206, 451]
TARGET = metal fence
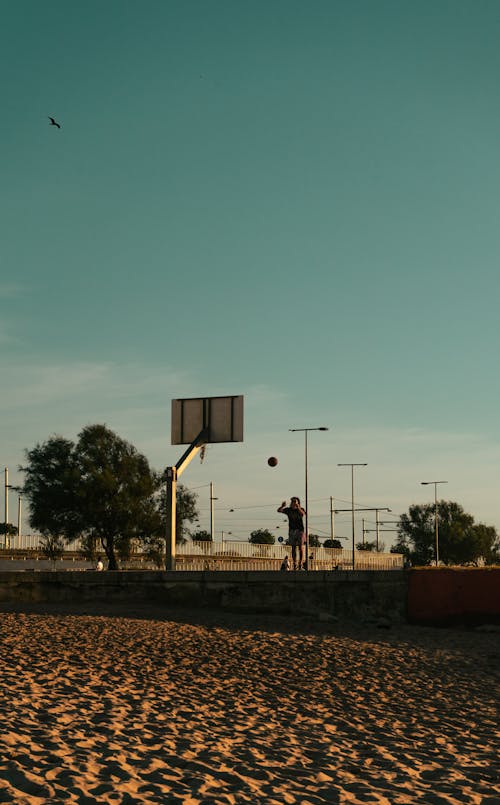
[31, 542]
[229, 555]
[232, 555]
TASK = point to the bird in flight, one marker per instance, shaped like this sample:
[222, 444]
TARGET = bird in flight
[53, 122]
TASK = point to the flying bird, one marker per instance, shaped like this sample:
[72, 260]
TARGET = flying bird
[53, 122]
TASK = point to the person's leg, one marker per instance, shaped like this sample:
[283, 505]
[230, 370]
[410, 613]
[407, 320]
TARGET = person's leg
[294, 556]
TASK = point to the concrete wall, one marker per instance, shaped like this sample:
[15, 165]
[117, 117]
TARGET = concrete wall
[433, 596]
[362, 594]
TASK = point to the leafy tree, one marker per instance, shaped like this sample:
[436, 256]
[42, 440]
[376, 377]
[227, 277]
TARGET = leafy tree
[50, 485]
[332, 543]
[154, 538]
[262, 537]
[187, 512]
[314, 541]
[488, 544]
[100, 489]
[461, 541]
[201, 536]
[369, 547]
[11, 529]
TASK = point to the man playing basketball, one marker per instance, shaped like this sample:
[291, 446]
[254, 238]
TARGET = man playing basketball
[296, 533]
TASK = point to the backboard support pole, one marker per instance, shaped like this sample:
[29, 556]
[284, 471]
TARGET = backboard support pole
[171, 476]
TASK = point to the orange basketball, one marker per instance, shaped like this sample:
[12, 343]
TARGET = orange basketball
[272, 461]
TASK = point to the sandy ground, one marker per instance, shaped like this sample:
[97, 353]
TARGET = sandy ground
[142, 706]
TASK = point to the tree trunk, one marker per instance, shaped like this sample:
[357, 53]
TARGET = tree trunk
[109, 547]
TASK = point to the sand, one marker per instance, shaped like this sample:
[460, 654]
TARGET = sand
[128, 705]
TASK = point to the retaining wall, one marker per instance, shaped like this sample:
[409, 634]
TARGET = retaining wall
[360, 594]
[436, 596]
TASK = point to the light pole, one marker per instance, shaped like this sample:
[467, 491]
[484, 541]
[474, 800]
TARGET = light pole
[332, 521]
[352, 505]
[377, 522]
[305, 431]
[212, 532]
[436, 517]
[7, 487]
[19, 520]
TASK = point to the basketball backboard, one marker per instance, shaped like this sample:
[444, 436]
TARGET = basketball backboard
[222, 417]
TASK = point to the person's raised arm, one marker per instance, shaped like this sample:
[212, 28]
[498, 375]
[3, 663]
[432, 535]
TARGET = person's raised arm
[283, 506]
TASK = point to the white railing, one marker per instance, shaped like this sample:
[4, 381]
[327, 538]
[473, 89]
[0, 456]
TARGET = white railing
[232, 555]
[31, 542]
[245, 556]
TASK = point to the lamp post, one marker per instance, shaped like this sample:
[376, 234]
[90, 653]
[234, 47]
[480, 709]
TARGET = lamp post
[19, 520]
[436, 517]
[212, 526]
[352, 504]
[7, 487]
[377, 522]
[332, 521]
[305, 431]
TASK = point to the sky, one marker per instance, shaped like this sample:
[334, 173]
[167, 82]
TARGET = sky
[296, 202]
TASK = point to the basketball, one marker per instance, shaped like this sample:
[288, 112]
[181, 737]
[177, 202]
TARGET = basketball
[272, 461]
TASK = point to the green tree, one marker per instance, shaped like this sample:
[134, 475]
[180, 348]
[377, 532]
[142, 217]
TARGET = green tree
[461, 541]
[332, 543]
[100, 489]
[10, 529]
[314, 541]
[201, 536]
[262, 537]
[369, 547]
[50, 485]
[186, 514]
[487, 544]
[154, 538]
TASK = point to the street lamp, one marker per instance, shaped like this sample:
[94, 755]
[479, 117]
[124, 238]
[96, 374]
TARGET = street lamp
[212, 525]
[352, 504]
[305, 431]
[436, 518]
[19, 519]
[7, 487]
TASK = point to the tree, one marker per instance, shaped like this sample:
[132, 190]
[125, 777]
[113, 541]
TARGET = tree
[262, 537]
[314, 541]
[488, 544]
[154, 537]
[201, 536]
[50, 486]
[369, 547]
[186, 512]
[332, 543]
[11, 529]
[100, 489]
[461, 541]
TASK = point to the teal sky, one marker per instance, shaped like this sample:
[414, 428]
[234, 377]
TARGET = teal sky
[293, 201]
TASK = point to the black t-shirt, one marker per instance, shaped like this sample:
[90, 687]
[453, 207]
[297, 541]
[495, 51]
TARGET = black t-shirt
[295, 521]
